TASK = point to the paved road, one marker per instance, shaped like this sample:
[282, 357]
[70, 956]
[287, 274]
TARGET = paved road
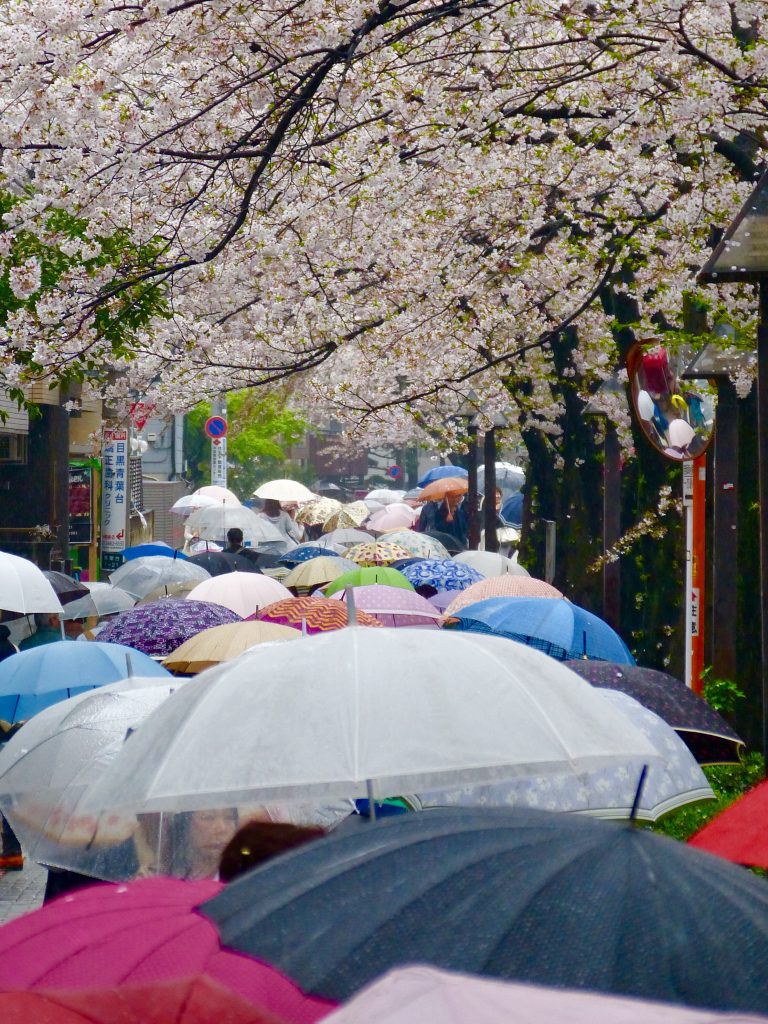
[21, 891]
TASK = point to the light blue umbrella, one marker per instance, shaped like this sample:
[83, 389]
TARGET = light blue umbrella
[440, 472]
[35, 679]
[553, 625]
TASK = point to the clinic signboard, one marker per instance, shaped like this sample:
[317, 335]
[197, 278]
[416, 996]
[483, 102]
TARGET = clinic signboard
[115, 499]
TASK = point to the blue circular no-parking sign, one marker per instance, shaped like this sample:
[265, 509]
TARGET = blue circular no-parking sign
[216, 426]
[394, 472]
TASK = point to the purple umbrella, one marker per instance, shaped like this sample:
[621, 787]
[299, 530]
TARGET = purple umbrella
[442, 599]
[394, 606]
[160, 627]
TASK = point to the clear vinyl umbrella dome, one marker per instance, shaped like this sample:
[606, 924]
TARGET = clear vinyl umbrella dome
[214, 522]
[406, 709]
[24, 588]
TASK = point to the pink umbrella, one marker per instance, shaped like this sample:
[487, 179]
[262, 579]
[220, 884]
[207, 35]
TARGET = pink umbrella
[394, 606]
[499, 586]
[241, 592]
[414, 995]
[393, 517]
[137, 933]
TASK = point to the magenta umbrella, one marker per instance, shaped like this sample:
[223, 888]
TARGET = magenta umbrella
[136, 933]
[393, 606]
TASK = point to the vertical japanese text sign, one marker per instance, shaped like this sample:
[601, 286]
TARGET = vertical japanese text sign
[114, 498]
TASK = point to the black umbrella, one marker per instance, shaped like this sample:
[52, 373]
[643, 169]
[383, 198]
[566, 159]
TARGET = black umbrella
[66, 588]
[556, 899]
[219, 562]
[708, 736]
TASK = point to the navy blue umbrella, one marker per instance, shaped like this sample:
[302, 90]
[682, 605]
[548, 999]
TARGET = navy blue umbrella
[152, 547]
[512, 510]
[440, 472]
[553, 625]
[535, 896]
[302, 553]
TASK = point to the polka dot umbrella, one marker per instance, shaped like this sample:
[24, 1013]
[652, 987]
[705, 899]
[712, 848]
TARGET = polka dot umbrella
[161, 626]
[377, 552]
[435, 574]
[315, 614]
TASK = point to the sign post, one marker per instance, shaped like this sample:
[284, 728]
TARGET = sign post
[114, 498]
[216, 428]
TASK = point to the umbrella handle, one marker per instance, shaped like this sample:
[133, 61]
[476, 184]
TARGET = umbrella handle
[638, 794]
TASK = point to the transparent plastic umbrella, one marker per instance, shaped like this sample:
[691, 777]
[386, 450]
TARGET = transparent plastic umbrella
[214, 522]
[24, 588]
[109, 600]
[343, 713]
[607, 792]
[142, 575]
[490, 563]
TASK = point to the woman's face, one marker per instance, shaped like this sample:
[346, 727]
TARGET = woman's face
[210, 831]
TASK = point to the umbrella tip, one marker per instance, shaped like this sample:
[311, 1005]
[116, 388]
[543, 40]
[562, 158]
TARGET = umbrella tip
[638, 795]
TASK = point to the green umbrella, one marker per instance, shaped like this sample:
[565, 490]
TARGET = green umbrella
[366, 575]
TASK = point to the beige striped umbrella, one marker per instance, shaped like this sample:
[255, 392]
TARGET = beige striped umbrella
[501, 586]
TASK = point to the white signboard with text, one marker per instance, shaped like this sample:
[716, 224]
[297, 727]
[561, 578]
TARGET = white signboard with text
[115, 499]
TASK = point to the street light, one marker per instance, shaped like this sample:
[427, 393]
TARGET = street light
[742, 257]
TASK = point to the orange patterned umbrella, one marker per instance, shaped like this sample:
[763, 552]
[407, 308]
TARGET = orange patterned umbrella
[320, 614]
[501, 586]
[378, 552]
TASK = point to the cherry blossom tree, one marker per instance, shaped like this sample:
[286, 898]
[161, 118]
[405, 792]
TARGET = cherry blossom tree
[393, 200]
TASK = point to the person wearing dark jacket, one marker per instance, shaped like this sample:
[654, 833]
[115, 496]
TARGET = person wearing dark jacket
[7, 648]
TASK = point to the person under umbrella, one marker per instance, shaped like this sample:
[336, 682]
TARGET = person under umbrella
[446, 516]
[274, 513]
[7, 647]
[47, 631]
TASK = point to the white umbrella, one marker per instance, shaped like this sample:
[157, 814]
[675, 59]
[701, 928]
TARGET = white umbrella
[189, 503]
[490, 563]
[141, 575]
[217, 493]
[606, 792]
[213, 524]
[107, 599]
[48, 765]
[384, 496]
[24, 588]
[339, 713]
[284, 490]
[242, 592]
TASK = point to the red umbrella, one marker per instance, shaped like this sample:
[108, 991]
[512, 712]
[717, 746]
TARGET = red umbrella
[739, 832]
[187, 1001]
[138, 933]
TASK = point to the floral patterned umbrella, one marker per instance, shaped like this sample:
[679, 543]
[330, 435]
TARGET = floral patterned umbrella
[316, 614]
[418, 544]
[441, 574]
[162, 626]
[347, 517]
[502, 586]
[394, 606]
[315, 513]
[377, 552]
[366, 576]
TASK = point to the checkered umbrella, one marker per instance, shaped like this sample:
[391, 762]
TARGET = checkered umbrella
[378, 552]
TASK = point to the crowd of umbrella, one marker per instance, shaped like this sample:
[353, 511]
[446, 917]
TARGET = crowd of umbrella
[298, 686]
